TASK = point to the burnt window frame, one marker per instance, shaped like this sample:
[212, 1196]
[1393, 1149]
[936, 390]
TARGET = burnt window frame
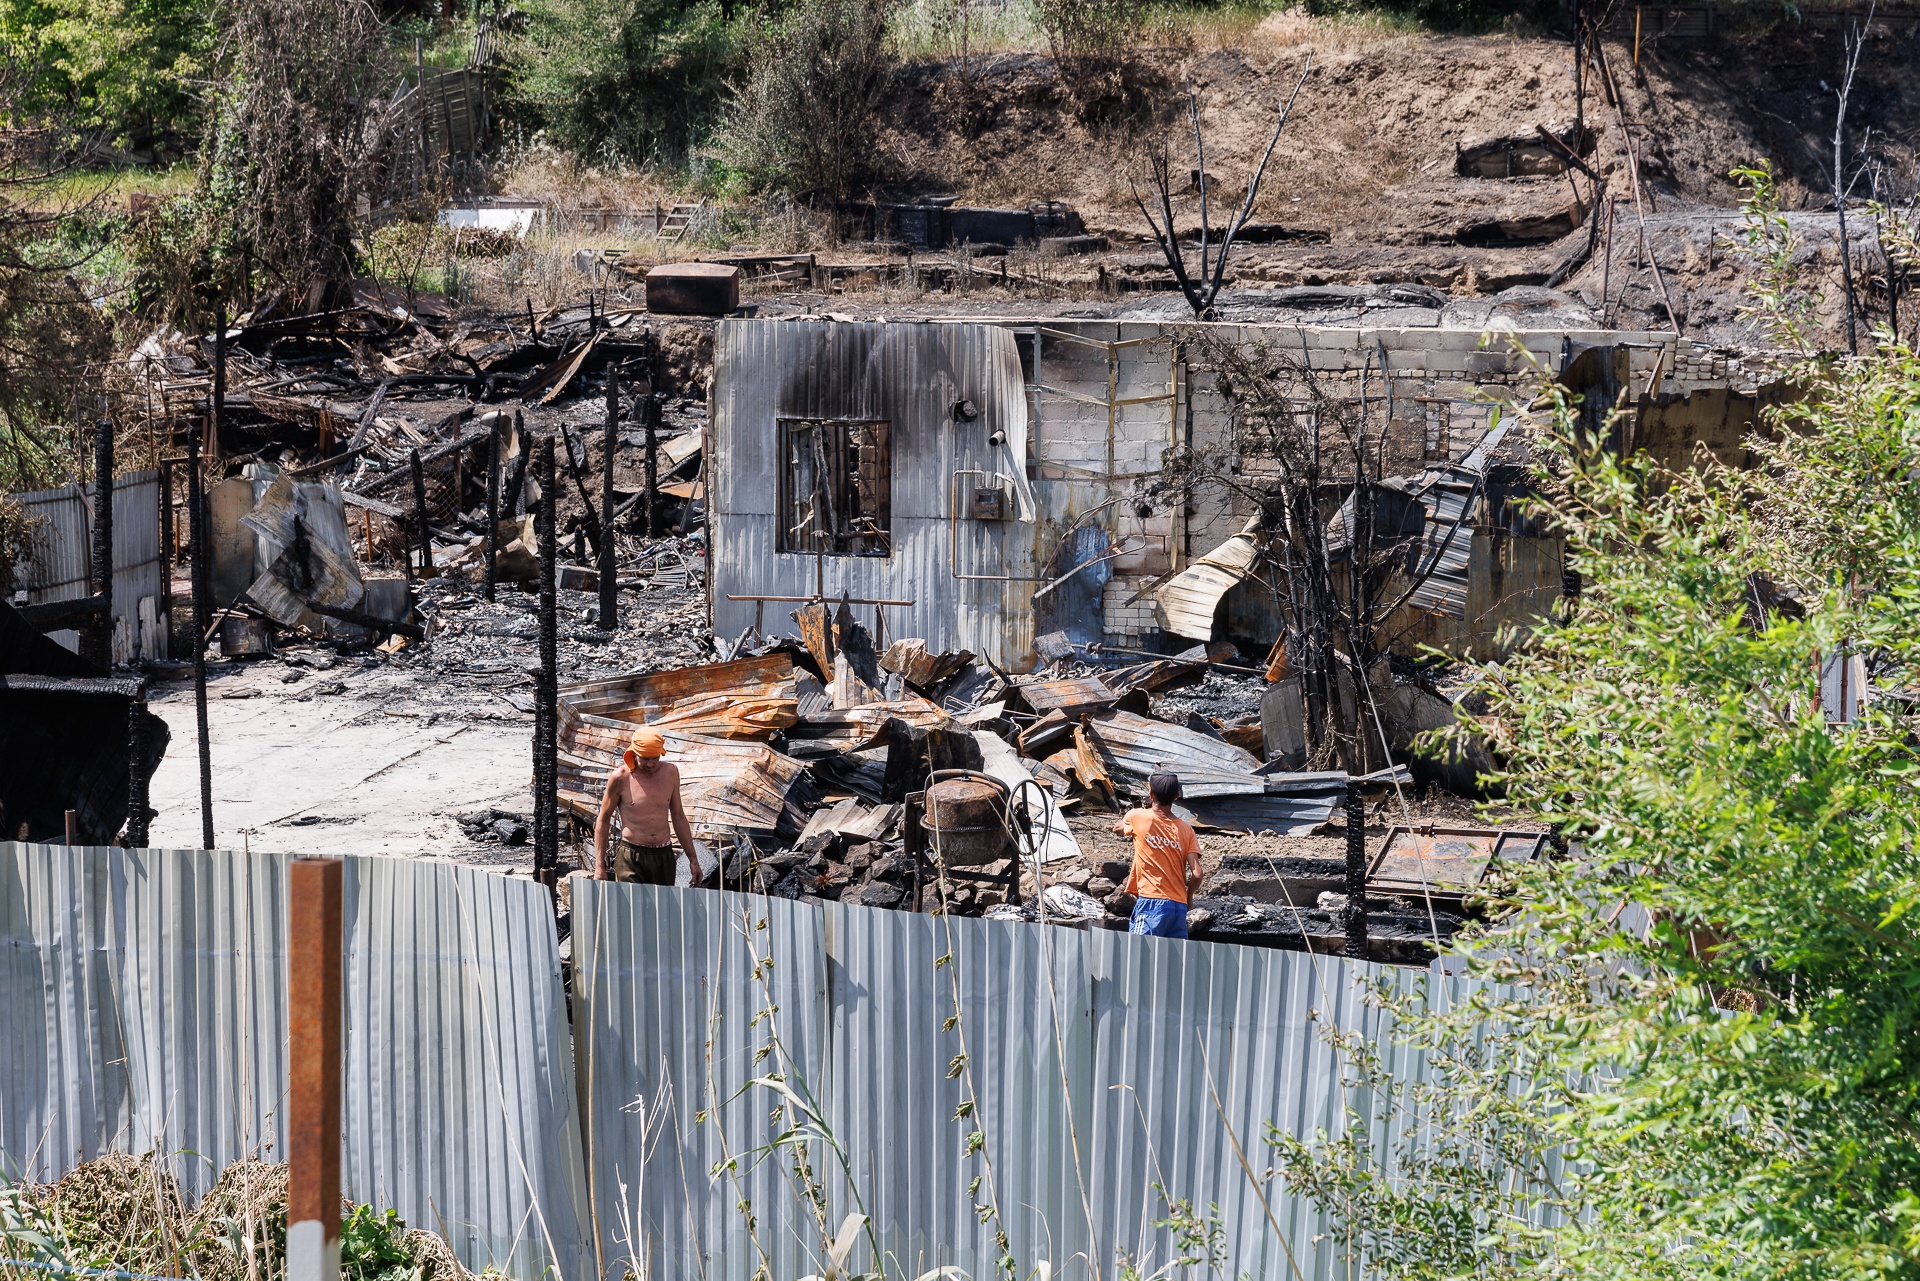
[845, 540]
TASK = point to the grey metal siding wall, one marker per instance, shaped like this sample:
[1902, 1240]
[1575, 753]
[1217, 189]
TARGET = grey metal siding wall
[63, 557]
[910, 375]
[1095, 1059]
[459, 1099]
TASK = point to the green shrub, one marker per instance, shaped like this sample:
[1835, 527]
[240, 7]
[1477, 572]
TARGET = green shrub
[817, 79]
[632, 80]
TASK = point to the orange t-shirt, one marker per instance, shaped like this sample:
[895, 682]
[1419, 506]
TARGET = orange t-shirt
[1160, 849]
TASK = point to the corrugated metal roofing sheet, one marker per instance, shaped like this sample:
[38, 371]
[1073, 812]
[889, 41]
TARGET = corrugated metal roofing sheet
[459, 1088]
[1189, 601]
[62, 563]
[1207, 766]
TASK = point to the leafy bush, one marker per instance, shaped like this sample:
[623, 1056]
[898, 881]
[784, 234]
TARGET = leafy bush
[1097, 30]
[1703, 1058]
[18, 534]
[804, 122]
[630, 80]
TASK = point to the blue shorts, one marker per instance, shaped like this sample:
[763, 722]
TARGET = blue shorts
[1160, 917]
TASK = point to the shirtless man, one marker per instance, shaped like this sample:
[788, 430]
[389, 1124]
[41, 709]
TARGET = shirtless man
[646, 792]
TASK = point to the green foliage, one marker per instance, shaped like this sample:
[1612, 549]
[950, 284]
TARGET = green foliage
[1453, 15]
[1702, 1058]
[1786, 311]
[632, 80]
[804, 121]
[1091, 29]
[373, 1247]
[121, 67]
[18, 534]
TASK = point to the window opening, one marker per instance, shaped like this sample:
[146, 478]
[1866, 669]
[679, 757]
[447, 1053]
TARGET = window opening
[836, 493]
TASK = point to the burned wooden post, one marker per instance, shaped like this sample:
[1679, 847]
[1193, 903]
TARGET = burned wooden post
[1356, 909]
[97, 641]
[422, 529]
[609, 587]
[652, 499]
[546, 690]
[137, 812]
[315, 1067]
[200, 580]
[219, 416]
[511, 501]
[493, 507]
[168, 554]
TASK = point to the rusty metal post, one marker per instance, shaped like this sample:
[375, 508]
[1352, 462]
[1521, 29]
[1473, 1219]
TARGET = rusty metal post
[424, 530]
[546, 690]
[493, 507]
[73, 828]
[609, 568]
[315, 1067]
[137, 812]
[96, 642]
[201, 581]
[1356, 909]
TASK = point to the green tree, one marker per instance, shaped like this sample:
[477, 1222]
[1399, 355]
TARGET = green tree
[1697, 1052]
[123, 68]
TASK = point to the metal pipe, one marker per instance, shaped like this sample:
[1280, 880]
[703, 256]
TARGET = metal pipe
[97, 642]
[314, 1067]
[546, 694]
[197, 570]
[609, 568]
[1356, 909]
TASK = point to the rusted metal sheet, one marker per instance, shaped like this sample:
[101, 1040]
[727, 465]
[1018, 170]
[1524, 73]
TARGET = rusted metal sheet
[730, 715]
[816, 633]
[1077, 696]
[726, 787]
[1448, 859]
[645, 696]
[724, 784]
[1188, 603]
[1137, 747]
[1090, 762]
[851, 728]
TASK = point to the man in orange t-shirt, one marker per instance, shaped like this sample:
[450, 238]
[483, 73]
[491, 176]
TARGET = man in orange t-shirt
[1166, 862]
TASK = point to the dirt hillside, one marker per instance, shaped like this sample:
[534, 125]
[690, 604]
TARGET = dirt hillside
[1365, 186]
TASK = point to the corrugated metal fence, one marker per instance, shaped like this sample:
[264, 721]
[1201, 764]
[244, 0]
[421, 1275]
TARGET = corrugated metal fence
[144, 992]
[1107, 1073]
[145, 996]
[62, 562]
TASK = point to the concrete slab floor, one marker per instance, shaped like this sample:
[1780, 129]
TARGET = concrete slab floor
[348, 760]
